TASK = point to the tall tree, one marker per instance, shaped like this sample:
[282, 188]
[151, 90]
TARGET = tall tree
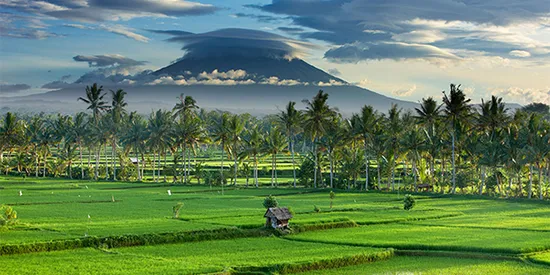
[456, 110]
[317, 116]
[291, 120]
[134, 136]
[118, 111]
[364, 127]
[274, 144]
[254, 147]
[235, 128]
[428, 115]
[220, 134]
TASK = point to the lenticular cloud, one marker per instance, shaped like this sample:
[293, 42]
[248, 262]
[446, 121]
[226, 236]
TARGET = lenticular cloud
[242, 42]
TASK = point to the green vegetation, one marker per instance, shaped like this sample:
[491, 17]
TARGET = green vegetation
[408, 202]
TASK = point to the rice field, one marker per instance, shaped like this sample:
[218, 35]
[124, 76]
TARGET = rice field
[223, 232]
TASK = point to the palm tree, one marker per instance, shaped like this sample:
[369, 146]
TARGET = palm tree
[34, 131]
[364, 126]
[188, 133]
[253, 147]
[235, 128]
[10, 131]
[118, 111]
[160, 137]
[291, 119]
[394, 132]
[538, 140]
[456, 110]
[80, 130]
[220, 134]
[185, 108]
[412, 143]
[135, 136]
[274, 144]
[94, 99]
[333, 139]
[428, 115]
[317, 116]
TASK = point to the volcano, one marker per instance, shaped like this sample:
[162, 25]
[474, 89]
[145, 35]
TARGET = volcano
[257, 68]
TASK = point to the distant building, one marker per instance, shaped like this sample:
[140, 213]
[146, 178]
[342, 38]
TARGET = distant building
[277, 217]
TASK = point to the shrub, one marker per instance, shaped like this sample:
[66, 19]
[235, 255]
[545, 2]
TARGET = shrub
[176, 209]
[408, 202]
[270, 201]
[331, 195]
[8, 216]
[316, 209]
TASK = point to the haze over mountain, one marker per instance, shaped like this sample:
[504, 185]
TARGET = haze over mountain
[231, 69]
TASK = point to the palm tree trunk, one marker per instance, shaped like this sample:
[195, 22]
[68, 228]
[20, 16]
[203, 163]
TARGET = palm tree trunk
[509, 187]
[113, 155]
[293, 162]
[530, 186]
[44, 172]
[81, 164]
[275, 163]
[89, 158]
[520, 185]
[106, 162]
[331, 169]
[453, 162]
[482, 185]
[98, 149]
[36, 158]
[540, 180]
[137, 161]
[164, 174]
[378, 172]
[272, 169]
[154, 166]
[256, 171]
[235, 167]
[315, 164]
[222, 177]
[183, 162]
[366, 168]
[414, 172]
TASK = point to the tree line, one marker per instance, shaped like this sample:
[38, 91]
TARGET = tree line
[447, 146]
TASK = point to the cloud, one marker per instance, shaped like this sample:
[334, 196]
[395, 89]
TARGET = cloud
[353, 53]
[404, 91]
[523, 95]
[363, 82]
[334, 71]
[259, 17]
[109, 10]
[57, 84]
[13, 88]
[291, 30]
[21, 26]
[491, 27]
[242, 42]
[518, 53]
[78, 26]
[231, 74]
[331, 82]
[281, 82]
[124, 31]
[108, 60]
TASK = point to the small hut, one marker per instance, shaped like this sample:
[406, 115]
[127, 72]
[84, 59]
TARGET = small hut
[277, 217]
[134, 160]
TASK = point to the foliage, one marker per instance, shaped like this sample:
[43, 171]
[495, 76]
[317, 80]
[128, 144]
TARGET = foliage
[316, 209]
[176, 209]
[8, 216]
[408, 202]
[270, 201]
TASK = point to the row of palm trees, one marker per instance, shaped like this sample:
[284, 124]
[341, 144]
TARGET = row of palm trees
[485, 145]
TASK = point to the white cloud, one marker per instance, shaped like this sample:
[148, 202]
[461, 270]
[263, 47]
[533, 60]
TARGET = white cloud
[420, 36]
[523, 95]
[331, 82]
[231, 74]
[281, 82]
[519, 53]
[124, 31]
[404, 91]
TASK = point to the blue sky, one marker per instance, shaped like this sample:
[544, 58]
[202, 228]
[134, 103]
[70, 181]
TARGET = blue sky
[404, 49]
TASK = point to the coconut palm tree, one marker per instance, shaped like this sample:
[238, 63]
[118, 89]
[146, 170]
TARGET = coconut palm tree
[135, 135]
[428, 115]
[456, 110]
[118, 111]
[291, 120]
[34, 131]
[394, 127]
[364, 126]
[221, 134]
[334, 137]
[188, 133]
[538, 141]
[186, 107]
[94, 99]
[10, 133]
[275, 143]
[160, 137]
[80, 130]
[235, 128]
[412, 143]
[253, 147]
[317, 116]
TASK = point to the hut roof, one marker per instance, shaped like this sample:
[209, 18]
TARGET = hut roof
[280, 213]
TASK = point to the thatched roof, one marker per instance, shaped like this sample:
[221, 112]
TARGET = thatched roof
[280, 213]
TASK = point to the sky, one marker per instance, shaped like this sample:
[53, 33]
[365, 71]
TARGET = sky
[400, 48]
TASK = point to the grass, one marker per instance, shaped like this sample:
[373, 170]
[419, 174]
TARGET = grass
[58, 209]
[437, 265]
[252, 253]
